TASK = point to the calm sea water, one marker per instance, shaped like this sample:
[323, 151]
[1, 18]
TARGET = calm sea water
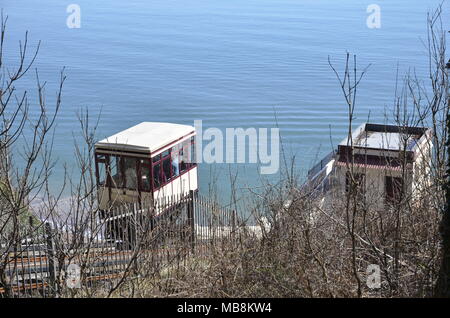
[231, 63]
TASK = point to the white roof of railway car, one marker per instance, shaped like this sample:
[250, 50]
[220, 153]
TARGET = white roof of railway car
[146, 137]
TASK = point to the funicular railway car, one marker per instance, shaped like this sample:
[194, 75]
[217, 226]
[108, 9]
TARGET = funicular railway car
[145, 163]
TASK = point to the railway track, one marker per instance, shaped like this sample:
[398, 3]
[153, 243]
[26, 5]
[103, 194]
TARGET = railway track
[31, 273]
[37, 286]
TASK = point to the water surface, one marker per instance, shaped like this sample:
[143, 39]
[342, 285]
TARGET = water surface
[230, 63]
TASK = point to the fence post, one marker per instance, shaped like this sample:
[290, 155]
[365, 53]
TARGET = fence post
[51, 260]
[137, 237]
[191, 219]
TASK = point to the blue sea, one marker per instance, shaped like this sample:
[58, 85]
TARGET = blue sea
[230, 63]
